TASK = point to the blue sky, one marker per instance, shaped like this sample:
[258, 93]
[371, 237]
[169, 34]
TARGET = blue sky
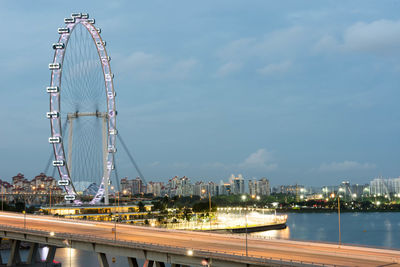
[296, 91]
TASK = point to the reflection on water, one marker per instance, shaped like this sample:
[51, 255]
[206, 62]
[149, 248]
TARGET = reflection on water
[372, 229]
[77, 258]
[273, 234]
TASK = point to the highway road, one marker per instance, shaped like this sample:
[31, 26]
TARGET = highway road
[322, 253]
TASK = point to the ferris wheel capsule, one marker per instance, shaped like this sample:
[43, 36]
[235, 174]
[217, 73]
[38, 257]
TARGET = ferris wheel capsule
[111, 94]
[108, 77]
[52, 89]
[113, 132]
[54, 66]
[110, 166]
[63, 182]
[69, 20]
[69, 197]
[91, 21]
[57, 163]
[58, 46]
[52, 114]
[85, 15]
[63, 30]
[112, 149]
[98, 29]
[54, 140]
[76, 15]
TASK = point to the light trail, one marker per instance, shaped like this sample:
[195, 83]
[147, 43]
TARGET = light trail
[44, 220]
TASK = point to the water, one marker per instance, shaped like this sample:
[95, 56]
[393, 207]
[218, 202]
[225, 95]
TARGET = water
[378, 229]
[371, 229]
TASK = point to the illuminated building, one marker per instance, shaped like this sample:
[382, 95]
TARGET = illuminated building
[130, 213]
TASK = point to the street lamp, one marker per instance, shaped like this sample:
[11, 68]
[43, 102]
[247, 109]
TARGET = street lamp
[2, 197]
[24, 212]
[245, 217]
[209, 204]
[338, 198]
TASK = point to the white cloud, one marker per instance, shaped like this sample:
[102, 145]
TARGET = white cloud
[261, 159]
[375, 36]
[290, 42]
[379, 36]
[346, 165]
[281, 67]
[147, 66]
[327, 43]
[183, 68]
[228, 68]
[287, 40]
[237, 49]
[141, 59]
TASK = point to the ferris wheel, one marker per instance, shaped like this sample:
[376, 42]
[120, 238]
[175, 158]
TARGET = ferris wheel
[82, 109]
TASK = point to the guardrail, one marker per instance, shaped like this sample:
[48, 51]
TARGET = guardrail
[230, 256]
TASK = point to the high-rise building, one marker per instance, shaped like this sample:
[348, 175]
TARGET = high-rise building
[260, 187]
[264, 187]
[132, 187]
[154, 188]
[213, 188]
[237, 184]
[225, 189]
[381, 186]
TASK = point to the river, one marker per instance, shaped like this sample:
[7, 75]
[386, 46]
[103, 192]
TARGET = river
[368, 229]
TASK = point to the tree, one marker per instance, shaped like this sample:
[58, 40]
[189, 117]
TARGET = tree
[187, 214]
[141, 207]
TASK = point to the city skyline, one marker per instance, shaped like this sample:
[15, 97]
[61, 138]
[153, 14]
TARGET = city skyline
[184, 186]
[263, 93]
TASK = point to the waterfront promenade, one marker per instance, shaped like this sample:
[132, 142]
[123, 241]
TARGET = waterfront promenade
[186, 247]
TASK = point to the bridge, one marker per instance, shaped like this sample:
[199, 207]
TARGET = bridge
[178, 248]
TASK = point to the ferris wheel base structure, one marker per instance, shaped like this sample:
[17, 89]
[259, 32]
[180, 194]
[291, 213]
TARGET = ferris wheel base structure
[82, 95]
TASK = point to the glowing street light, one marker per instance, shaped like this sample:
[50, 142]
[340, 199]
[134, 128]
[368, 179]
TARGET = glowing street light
[245, 216]
[189, 252]
[340, 234]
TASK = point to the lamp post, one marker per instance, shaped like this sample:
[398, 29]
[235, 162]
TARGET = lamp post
[115, 226]
[245, 217]
[338, 198]
[24, 211]
[2, 197]
[209, 203]
[203, 191]
[50, 196]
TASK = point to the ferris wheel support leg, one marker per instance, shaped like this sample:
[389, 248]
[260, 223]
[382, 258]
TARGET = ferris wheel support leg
[70, 136]
[105, 154]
